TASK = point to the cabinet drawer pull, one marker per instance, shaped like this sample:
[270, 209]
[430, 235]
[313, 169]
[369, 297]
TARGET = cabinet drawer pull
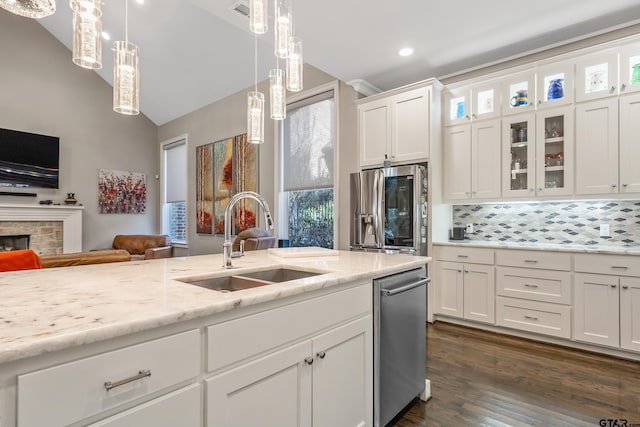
[625, 287]
[620, 267]
[529, 285]
[614, 286]
[463, 256]
[321, 354]
[308, 360]
[534, 261]
[141, 374]
[530, 317]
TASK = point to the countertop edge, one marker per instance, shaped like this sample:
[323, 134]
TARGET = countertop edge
[631, 250]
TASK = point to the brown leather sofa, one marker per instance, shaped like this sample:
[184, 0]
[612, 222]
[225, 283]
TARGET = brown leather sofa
[144, 246]
[84, 258]
[254, 239]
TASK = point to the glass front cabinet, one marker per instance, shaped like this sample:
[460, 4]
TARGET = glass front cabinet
[554, 152]
[597, 76]
[519, 155]
[519, 93]
[555, 85]
[630, 68]
[486, 100]
[457, 105]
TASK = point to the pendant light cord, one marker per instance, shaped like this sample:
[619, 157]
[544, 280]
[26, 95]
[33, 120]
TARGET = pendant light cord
[255, 62]
[126, 21]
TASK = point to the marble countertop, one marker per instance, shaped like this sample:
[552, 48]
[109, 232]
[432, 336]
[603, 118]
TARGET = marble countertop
[541, 246]
[52, 309]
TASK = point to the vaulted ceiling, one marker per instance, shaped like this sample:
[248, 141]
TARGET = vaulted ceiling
[195, 52]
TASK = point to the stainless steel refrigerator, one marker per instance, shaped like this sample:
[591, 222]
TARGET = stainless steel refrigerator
[389, 210]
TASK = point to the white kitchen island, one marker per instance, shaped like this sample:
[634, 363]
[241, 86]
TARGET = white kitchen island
[128, 344]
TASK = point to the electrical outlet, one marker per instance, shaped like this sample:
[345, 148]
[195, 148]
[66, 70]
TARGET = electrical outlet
[604, 230]
[469, 229]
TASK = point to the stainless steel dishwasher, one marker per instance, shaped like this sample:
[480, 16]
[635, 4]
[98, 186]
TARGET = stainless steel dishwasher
[400, 326]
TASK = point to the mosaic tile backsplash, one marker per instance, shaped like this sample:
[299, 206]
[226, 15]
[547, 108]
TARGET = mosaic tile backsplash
[575, 223]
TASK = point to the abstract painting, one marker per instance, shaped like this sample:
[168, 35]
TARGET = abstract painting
[224, 168]
[121, 192]
[204, 189]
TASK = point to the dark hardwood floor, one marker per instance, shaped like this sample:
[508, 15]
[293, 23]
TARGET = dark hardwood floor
[480, 378]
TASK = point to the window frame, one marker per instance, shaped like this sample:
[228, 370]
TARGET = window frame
[280, 210]
[164, 145]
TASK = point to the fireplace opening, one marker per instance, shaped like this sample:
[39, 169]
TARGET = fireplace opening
[14, 242]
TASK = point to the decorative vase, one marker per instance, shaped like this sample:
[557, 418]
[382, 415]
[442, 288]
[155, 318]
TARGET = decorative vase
[71, 199]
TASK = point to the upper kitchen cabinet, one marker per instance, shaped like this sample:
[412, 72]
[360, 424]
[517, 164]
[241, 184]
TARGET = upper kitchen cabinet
[476, 102]
[555, 84]
[519, 92]
[597, 76]
[472, 161]
[519, 155]
[554, 152]
[630, 68]
[397, 125]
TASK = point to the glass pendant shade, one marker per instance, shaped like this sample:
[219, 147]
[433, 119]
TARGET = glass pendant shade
[258, 16]
[87, 31]
[282, 30]
[255, 117]
[126, 78]
[277, 92]
[30, 8]
[294, 65]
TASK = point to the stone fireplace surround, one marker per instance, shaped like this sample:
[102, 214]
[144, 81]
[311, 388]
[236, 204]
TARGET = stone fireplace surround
[70, 216]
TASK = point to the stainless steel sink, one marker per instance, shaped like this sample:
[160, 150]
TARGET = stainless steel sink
[242, 281]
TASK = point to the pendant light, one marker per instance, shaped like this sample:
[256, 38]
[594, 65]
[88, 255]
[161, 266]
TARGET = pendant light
[282, 29]
[125, 73]
[255, 106]
[294, 65]
[277, 92]
[258, 16]
[87, 31]
[30, 8]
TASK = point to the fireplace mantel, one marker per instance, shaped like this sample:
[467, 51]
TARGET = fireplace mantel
[71, 217]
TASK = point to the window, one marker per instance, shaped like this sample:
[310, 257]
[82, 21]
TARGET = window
[174, 189]
[307, 146]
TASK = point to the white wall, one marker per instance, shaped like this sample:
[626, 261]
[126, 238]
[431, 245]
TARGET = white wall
[227, 118]
[42, 91]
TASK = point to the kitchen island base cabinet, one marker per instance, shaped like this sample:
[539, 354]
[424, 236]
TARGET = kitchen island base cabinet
[323, 381]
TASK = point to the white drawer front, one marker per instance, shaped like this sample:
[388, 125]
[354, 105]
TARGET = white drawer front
[179, 408]
[539, 317]
[459, 254]
[535, 285]
[239, 339]
[620, 265]
[534, 259]
[64, 394]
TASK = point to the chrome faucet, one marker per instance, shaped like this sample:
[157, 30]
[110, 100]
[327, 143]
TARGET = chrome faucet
[226, 249]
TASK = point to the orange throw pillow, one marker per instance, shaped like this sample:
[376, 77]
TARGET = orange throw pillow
[19, 260]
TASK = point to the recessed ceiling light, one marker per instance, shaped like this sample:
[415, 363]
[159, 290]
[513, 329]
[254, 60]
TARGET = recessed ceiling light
[406, 51]
[106, 36]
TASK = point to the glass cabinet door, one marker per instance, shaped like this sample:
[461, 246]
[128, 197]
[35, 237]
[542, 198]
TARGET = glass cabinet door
[457, 105]
[597, 76]
[554, 165]
[519, 93]
[555, 85]
[518, 136]
[630, 68]
[486, 100]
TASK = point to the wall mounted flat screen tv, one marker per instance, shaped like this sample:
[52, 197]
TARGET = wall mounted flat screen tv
[28, 159]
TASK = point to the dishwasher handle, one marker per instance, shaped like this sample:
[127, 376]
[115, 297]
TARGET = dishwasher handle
[392, 292]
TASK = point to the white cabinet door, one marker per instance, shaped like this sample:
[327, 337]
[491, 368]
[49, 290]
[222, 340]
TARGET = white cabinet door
[180, 408]
[597, 76]
[449, 289]
[274, 391]
[630, 68]
[596, 309]
[342, 389]
[630, 142]
[630, 313]
[554, 152]
[486, 100]
[457, 163]
[374, 132]
[485, 160]
[457, 105]
[519, 155]
[519, 93]
[555, 84]
[410, 122]
[479, 293]
[597, 147]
